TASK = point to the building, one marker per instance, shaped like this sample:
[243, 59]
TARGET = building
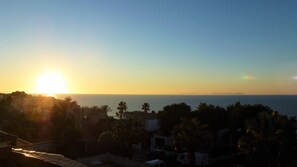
[149, 120]
[17, 157]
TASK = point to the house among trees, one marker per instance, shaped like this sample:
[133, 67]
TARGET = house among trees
[148, 120]
[237, 134]
[92, 114]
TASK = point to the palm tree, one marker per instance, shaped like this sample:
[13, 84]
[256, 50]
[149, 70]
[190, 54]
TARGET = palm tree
[105, 108]
[145, 107]
[122, 107]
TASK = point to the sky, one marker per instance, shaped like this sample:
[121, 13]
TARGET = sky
[150, 46]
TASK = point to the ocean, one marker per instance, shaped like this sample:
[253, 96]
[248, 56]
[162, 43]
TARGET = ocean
[284, 104]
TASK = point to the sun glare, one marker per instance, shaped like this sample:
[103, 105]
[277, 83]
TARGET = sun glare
[50, 84]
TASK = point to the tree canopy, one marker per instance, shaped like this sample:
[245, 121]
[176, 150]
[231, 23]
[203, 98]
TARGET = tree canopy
[122, 107]
[171, 115]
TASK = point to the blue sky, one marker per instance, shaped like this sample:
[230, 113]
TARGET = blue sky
[151, 47]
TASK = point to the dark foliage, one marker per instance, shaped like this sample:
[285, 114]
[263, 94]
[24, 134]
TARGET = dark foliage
[171, 115]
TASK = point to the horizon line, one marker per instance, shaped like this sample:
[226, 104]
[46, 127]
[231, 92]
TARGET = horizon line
[169, 94]
[157, 94]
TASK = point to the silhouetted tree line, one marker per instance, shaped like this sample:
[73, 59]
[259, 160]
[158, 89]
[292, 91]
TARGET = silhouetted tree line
[265, 137]
[42, 118]
[261, 135]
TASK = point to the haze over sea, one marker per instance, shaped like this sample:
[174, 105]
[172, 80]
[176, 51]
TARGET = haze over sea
[284, 104]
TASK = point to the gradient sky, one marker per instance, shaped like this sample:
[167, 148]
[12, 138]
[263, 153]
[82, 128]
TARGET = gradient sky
[151, 46]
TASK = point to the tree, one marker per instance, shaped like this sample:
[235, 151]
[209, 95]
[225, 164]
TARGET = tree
[270, 140]
[14, 118]
[105, 141]
[122, 107]
[63, 127]
[171, 116]
[216, 117]
[239, 113]
[105, 108]
[191, 136]
[61, 121]
[71, 107]
[128, 132]
[145, 107]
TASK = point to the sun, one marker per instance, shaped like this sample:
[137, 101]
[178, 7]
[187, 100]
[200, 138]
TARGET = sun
[51, 83]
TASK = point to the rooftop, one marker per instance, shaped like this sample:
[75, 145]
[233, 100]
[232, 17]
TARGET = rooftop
[55, 159]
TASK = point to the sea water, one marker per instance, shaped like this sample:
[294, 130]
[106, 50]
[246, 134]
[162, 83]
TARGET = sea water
[284, 104]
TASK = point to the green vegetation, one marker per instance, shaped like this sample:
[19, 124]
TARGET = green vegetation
[265, 137]
[172, 115]
[128, 132]
[269, 140]
[260, 135]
